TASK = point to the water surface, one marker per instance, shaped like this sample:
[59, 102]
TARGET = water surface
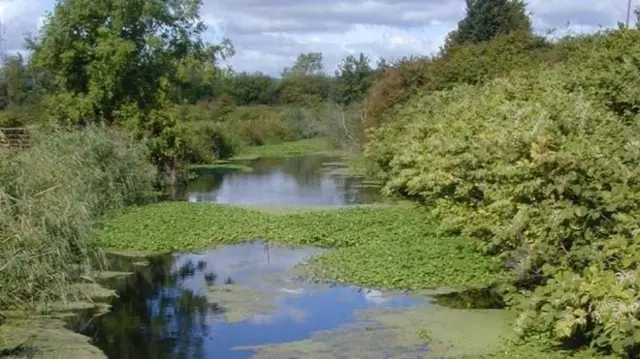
[208, 305]
[303, 180]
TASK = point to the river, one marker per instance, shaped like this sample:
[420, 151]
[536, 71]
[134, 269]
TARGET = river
[246, 301]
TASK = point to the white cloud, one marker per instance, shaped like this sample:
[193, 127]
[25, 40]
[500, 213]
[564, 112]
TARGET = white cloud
[269, 34]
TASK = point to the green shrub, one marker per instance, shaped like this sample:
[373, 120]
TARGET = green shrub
[207, 141]
[22, 116]
[542, 169]
[461, 64]
[49, 195]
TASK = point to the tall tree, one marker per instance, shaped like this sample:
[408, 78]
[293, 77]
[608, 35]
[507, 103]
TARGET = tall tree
[123, 61]
[486, 19]
[353, 79]
[308, 64]
[305, 83]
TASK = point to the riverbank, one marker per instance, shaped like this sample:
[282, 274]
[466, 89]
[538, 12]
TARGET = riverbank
[306, 147]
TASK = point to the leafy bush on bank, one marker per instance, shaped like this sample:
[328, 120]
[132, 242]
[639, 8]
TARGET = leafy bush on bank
[541, 166]
[461, 64]
[49, 196]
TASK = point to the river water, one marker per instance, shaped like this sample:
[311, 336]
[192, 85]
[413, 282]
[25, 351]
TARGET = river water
[247, 301]
[304, 180]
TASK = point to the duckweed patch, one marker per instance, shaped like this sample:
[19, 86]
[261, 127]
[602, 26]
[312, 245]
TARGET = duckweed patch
[389, 247]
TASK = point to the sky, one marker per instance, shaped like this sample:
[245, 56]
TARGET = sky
[269, 34]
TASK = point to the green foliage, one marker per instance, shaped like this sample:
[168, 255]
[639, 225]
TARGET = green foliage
[465, 64]
[49, 196]
[18, 85]
[206, 142]
[541, 168]
[390, 247]
[254, 89]
[309, 64]
[125, 63]
[353, 79]
[486, 19]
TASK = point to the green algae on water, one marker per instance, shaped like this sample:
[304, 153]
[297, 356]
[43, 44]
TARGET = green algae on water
[394, 333]
[45, 337]
[242, 303]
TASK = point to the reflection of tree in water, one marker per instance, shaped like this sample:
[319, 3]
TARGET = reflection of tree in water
[305, 170]
[154, 317]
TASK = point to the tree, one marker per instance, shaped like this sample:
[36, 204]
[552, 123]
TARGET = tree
[353, 79]
[309, 64]
[305, 83]
[17, 83]
[123, 62]
[254, 88]
[486, 19]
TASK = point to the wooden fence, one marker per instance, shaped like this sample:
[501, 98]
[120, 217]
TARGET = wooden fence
[14, 137]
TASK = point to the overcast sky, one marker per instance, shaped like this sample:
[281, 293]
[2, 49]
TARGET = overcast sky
[269, 34]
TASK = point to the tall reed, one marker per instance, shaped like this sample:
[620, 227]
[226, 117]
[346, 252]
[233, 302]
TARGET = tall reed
[50, 194]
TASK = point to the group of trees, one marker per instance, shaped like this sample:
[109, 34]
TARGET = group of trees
[305, 83]
[166, 85]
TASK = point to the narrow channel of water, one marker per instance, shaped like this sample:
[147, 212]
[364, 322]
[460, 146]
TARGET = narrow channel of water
[208, 305]
[304, 180]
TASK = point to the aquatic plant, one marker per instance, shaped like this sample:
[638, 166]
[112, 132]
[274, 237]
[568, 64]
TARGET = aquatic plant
[390, 247]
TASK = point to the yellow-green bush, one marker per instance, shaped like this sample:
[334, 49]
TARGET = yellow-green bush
[542, 168]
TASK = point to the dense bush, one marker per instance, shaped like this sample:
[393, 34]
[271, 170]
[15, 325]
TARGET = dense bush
[469, 63]
[541, 168]
[207, 141]
[49, 195]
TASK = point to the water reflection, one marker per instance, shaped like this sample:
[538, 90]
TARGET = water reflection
[172, 309]
[280, 181]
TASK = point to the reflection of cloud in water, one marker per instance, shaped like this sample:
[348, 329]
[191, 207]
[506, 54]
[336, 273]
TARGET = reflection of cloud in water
[243, 263]
[296, 291]
[375, 297]
[282, 313]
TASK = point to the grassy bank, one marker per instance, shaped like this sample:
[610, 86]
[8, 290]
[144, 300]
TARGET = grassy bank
[389, 247]
[312, 146]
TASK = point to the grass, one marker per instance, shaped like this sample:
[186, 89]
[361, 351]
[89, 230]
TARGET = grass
[304, 147]
[395, 247]
[49, 196]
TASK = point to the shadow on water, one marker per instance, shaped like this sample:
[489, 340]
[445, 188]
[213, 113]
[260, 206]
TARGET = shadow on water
[204, 305]
[302, 180]
[476, 298]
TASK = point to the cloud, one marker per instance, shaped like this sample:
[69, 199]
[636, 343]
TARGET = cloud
[269, 34]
